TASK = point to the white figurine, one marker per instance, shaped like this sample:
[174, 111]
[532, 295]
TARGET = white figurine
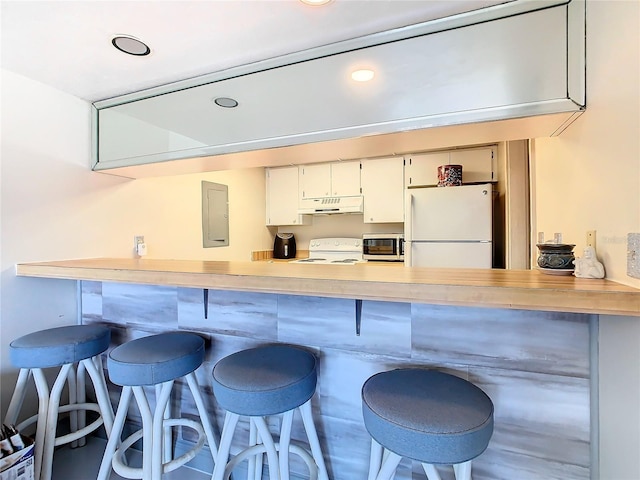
[588, 266]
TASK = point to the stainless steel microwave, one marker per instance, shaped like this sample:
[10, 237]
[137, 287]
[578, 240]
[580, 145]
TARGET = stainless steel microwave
[383, 246]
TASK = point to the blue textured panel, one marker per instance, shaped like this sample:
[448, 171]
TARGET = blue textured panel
[542, 426]
[331, 322]
[140, 304]
[231, 313]
[533, 365]
[91, 293]
[546, 342]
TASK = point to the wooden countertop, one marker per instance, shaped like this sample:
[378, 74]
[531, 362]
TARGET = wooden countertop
[517, 289]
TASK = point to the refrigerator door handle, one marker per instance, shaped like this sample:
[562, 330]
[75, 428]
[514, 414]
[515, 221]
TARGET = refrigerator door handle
[408, 217]
[408, 228]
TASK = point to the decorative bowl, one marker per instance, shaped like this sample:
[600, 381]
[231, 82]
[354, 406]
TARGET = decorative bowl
[557, 256]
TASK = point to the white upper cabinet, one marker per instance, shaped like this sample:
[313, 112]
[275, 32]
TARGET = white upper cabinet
[422, 169]
[330, 179]
[345, 179]
[478, 166]
[315, 180]
[282, 197]
[383, 190]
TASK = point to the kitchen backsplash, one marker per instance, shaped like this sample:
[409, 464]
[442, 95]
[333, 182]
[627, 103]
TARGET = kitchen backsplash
[337, 226]
[261, 255]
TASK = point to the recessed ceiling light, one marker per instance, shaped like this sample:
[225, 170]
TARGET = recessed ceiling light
[130, 45]
[225, 102]
[316, 2]
[363, 75]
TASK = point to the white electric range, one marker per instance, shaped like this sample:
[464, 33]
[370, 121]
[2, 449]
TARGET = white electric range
[334, 251]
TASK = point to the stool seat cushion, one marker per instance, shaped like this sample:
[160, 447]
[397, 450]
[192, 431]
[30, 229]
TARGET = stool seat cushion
[54, 347]
[428, 416]
[155, 359]
[265, 380]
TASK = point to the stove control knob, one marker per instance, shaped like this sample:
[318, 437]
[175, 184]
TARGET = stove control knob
[357, 243]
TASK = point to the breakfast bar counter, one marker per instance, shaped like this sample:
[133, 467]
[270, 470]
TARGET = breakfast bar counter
[528, 339]
[510, 289]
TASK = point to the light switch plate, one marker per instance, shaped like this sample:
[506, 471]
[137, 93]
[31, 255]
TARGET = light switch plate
[633, 255]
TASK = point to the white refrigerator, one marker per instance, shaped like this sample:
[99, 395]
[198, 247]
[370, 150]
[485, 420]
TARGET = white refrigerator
[449, 227]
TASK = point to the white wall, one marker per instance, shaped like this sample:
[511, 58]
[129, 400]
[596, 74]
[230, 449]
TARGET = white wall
[589, 179]
[54, 207]
[171, 218]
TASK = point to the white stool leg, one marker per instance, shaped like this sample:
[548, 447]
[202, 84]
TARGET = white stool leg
[96, 374]
[43, 408]
[230, 422]
[167, 438]
[81, 397]
[52, 420]
[17, 399]
[389, 465]
[254, 469]
[159, 446]
[73, 399]
[462, 470]
[285, 440]
[270, 446]
[314, 442]
[116, 431]
[431, 471]
[147, 433]
[375, 460]
[192, 381]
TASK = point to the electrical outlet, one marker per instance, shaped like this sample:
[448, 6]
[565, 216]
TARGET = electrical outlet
[633, 255]
[137, 240]
[591, 238]
[139, 247]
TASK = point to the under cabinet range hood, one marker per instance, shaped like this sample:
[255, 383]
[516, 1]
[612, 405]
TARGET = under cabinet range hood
[508, 72]
[331, 205]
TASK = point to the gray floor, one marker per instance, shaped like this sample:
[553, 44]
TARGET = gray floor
[84, 463]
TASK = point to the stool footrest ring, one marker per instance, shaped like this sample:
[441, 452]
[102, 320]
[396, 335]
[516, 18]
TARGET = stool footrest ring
[84, 431]
[73, 436]
[261, 448]
[136, 473]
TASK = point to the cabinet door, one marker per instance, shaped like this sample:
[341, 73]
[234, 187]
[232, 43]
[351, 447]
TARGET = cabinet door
[345, 178]
[477, 164]
[383, 190]
[422, 169]
[315, 180]
[282, 197]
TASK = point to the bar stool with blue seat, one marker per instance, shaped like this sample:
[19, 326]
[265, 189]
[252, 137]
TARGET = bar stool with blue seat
[158, 361]
[260, 382]
[428, 416]
[75, 349]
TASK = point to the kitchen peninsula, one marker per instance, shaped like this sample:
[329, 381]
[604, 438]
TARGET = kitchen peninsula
[528, 339]
[519, 289]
